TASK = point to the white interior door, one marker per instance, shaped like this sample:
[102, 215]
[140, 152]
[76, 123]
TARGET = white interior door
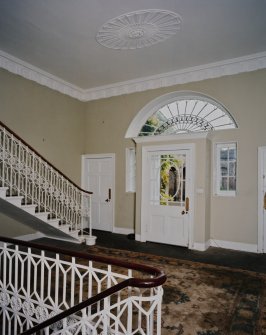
[98, 177]
[168, 196]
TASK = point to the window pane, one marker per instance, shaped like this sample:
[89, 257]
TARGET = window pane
[224, 154]
[232, 183]
[172, 179]
[232, 153]
[232, 169]
[224, 168]
[224, 184]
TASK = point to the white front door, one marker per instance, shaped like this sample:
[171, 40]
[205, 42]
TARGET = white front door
[168, 196]
[98, 177]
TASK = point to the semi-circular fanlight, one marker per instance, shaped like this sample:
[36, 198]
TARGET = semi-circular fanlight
[188, 115]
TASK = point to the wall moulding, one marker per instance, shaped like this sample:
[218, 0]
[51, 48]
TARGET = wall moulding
[213, 70]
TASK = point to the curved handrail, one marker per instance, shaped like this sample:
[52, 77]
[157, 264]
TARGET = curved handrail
[78, 307]
[38, 154]
[159, 276]
[159, 279]
[148, 282]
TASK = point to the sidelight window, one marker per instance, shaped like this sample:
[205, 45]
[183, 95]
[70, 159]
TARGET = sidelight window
[226, 163]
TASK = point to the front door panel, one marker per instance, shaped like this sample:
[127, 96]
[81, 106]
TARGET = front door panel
[169, 199]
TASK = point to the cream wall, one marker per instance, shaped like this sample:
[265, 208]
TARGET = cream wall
[62, 128]
[49, 121]
[231, 219]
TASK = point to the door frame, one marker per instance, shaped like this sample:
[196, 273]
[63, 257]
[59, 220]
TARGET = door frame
[261, 228]
[83, 178]
[145, 187]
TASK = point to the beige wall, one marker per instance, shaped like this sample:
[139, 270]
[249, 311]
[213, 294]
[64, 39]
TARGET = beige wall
[231, 219]
[49, 121]
[62, 128]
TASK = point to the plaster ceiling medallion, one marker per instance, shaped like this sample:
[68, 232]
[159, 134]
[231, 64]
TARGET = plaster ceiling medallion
[139, 29]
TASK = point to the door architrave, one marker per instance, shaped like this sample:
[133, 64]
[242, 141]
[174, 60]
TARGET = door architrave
[145, 185]
[83, 177]
[261, 228]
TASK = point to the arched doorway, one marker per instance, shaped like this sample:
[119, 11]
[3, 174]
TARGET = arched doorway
[181, 120]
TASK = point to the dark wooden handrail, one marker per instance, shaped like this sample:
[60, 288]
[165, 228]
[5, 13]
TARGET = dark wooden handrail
[159, 278]
[78, 307]
[38, 154]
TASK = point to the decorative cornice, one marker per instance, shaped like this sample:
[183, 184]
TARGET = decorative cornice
[28, 71]
[213, 70]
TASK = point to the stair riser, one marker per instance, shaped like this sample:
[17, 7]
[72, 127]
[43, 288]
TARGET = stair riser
[42, 216]
[15, 200]
[3, 191]
[30, 210]
[53, 223]
[64, 229]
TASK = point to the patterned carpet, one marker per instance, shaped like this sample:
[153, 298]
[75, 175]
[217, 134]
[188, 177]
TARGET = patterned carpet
[202, 299]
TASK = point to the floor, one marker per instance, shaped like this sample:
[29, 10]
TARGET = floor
[235, 259]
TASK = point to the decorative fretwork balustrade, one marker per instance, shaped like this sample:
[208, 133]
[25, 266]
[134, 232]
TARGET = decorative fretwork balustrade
[47, 292]
[28, 174]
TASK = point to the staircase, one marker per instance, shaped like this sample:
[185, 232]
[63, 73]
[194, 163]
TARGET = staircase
[34, 185]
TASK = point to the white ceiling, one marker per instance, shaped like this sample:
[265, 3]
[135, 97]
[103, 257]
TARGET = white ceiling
[58, 37]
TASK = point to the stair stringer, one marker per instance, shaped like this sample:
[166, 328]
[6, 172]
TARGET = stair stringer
[53, 223]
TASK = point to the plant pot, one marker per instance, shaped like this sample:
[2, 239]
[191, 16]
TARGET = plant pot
[90, 240]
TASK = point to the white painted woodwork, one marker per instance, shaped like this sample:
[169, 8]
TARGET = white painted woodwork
[98, 177]
[160, 223]
[262, 199]
[35, 286]
[35, 186]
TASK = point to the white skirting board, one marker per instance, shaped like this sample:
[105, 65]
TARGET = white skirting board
[248, 247]
[235, 245]
[123, 231]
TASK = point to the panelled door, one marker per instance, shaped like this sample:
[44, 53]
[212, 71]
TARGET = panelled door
[168, 196]
[98, 177]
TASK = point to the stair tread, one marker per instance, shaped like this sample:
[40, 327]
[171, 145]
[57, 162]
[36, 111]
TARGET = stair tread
[28, 205]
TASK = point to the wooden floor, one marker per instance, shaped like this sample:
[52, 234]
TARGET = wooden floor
[218, 256]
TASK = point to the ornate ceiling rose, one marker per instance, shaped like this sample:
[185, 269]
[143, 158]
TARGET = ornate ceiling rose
[139, 29]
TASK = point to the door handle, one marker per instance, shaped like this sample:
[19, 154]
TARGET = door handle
[109, 195]
[186, 206]
[264, 201]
